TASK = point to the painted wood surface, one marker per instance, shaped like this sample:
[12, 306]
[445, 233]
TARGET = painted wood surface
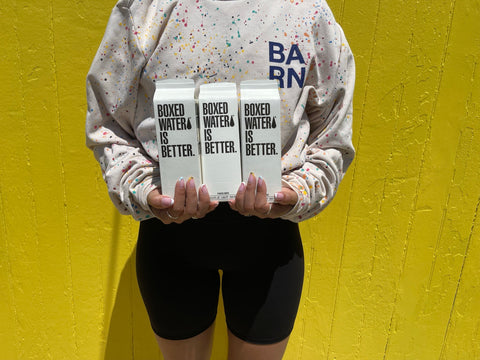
[392, 268]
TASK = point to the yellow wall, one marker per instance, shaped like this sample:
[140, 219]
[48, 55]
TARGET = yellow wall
[392, 267]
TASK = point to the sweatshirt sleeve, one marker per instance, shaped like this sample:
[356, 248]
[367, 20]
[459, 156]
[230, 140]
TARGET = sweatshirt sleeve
[112, 85]
[322, 149]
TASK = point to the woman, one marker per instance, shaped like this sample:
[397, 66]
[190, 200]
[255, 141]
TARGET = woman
[183, 242]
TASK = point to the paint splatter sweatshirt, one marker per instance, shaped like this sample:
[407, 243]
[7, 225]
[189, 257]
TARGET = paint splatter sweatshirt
[296, 42]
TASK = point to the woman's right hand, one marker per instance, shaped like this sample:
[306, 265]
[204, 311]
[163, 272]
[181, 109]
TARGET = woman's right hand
[186, 203]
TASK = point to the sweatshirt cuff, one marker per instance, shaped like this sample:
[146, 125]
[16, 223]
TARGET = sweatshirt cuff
[301, 207]
[140, 194]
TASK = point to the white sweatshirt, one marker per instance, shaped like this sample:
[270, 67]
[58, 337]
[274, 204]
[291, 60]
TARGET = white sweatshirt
[296, 42]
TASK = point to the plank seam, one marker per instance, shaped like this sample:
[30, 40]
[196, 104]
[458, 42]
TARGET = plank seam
[362, 114]
[472, 229]
[62, 167]
[26, 152]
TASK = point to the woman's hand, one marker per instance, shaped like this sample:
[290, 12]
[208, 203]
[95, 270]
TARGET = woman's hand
[186, 204]
[250, 202]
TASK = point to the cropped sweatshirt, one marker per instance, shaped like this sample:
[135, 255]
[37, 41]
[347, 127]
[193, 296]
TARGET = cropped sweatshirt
[296, 42]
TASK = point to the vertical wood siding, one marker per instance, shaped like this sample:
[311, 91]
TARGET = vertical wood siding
[392, 266]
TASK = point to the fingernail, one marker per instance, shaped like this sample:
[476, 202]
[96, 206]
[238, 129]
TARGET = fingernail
[166, 201]
[251, 178]
[204, 189]
[260, 181]
[241, 188]
[181, 181]
[279, 196]
[191, 182]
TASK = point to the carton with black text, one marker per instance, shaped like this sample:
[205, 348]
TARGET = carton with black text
[177, 133]
[260, 132]
[220, 142]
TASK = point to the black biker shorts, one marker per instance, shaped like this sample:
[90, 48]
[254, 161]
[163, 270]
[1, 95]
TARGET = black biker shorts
[262, 275]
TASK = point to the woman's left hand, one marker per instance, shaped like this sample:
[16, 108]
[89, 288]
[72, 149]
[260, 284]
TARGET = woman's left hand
[251, 199]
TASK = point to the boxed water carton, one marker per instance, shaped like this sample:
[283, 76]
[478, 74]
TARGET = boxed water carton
[260, 132]
[220, 139]
[177, 133]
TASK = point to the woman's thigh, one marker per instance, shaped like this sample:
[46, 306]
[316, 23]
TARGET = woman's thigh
[181, 298]
[261, 302]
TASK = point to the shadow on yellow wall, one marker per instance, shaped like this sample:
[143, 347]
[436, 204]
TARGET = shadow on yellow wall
[128, 326]
[128, 310]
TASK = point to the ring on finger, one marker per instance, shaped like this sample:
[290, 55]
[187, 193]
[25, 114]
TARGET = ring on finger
[171, 216]
[269, 209]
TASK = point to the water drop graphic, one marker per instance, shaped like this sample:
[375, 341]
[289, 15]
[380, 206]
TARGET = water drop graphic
[189, 124]
[274, 123]
[232, 123]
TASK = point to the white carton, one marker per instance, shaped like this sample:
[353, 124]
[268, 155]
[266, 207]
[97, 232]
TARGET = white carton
[260, 133]
[220, 139]
[177, 133]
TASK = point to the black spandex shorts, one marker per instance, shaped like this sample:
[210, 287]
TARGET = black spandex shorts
[262, 266]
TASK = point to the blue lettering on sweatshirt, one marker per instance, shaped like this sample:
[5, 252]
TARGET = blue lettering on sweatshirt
[279, 72]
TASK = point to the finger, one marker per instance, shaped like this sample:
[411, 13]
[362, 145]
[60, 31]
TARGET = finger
[165, 217]
[277, 210]
[249, 198]
[179, 199]
[169, 217]
[203, 201]
[239, 197]
[162, 216]
[261, 205]
[267, 211]
[213, 205]
[158, 201]
[191, 198]
[177, 219]
[286, 196]
[232, 204]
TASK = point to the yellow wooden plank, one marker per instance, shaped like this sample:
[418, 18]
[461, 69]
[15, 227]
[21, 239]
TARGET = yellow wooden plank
[433, 247]
[462, 336]
[10, 319]
[381, 190]
[56, 321]
[19, 202]
[327, 231]
[89, 213]
[462, 340]
[119, 343]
